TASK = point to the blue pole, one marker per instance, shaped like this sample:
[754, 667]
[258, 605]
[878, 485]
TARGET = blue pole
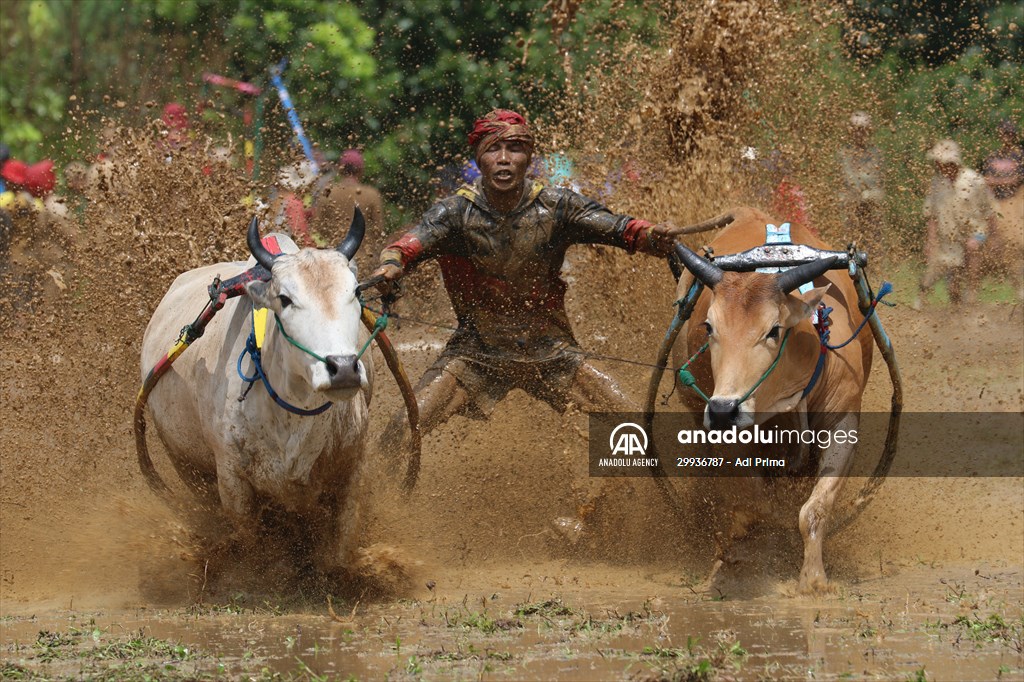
[293, 116]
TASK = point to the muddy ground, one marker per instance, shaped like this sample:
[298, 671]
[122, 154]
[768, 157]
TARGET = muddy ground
[99, 579]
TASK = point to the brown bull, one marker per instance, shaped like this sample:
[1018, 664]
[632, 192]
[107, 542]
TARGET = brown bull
[745, 318]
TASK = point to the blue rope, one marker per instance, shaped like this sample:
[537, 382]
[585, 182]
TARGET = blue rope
[823, 333]
[817, 372]
[257, 363]
[883, 291]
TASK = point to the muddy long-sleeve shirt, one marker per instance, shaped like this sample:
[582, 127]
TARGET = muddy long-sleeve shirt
[502, 271]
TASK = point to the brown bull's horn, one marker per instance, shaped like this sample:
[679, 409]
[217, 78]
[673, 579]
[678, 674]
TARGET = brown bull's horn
[350, 244]
[701, 268]
[794, 277]
[252, 238]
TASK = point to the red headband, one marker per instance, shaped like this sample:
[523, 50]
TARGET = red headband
[500, 124]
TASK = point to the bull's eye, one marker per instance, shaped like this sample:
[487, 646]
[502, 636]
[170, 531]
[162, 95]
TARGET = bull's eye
[708, 328]
[774, 333]
[285, 301]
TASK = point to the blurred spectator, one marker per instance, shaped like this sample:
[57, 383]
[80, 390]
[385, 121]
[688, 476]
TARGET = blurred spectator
[38, 179]
[328, 163]
[559, 171]
[76, 184]
[960, 216]
[788, 201]
[6, 224]
[1004, 168]
[767, 182]
[24, 187]
[5, 155]
[1004, 173]
[334, 210]
[219, 159]
[290, 199]
[470, 172]
[862, 197]
[175, 120]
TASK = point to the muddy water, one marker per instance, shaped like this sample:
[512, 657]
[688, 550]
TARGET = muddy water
[548, 620]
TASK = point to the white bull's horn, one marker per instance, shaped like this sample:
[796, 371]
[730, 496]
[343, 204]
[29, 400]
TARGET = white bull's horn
[350, 244]
[252, 238]
[794, 277]
[701, 268]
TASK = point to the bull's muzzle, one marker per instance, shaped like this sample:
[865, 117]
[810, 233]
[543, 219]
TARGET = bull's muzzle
[343, 371]
[722, 412]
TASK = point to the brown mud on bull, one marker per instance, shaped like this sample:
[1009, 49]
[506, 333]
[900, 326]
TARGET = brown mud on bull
[762, 359]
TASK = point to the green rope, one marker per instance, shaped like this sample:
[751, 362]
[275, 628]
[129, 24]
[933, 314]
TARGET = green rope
[296, 343]
[378, 327]
[382, 323]
[686, 377]
[771, 369]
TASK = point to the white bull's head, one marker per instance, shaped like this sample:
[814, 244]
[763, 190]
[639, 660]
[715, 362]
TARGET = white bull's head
[313, 295]
[749, 317]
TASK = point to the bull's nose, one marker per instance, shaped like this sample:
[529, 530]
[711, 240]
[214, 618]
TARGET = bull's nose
[722, 412]
[343, 370]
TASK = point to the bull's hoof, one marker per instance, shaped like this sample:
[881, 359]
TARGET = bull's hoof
[813, 583]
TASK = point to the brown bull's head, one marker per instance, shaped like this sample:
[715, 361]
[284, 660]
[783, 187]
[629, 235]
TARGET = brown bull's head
[748, 319]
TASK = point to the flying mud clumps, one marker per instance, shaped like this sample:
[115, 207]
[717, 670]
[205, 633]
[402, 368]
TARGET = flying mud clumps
[75, 297]
[711, 114]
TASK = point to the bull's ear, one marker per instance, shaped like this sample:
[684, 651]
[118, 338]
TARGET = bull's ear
[800, 306]
[259, 292]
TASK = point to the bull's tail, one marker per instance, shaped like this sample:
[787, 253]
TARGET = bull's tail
[145, 462]
[189, 333]
[141, 449]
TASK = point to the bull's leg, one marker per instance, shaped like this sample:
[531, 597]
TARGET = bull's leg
[814, 515]
[349, 516]
[742, 504]
[237, 497]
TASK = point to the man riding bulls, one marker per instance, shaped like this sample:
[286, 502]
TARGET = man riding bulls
[500, 244]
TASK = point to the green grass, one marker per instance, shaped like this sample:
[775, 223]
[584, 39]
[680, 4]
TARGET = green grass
[93, 653]
[905, 278]
[695, 663]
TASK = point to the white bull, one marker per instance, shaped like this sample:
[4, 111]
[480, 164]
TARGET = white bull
[260, 455]
[754, 375]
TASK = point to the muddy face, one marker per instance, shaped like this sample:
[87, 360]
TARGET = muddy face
[503, 168]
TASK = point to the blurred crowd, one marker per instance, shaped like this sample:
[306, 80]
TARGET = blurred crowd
[974, 218]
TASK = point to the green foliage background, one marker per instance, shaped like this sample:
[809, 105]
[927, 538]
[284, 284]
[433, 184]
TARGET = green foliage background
[403, 79]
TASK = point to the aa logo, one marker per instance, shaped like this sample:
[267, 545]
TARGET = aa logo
[629, 440]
